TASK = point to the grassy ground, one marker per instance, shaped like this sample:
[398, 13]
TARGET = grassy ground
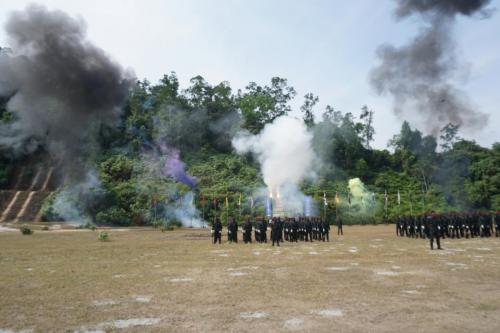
[148, 281]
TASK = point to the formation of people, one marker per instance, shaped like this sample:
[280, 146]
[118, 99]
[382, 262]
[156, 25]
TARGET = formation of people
[287, 229]
[435, 226]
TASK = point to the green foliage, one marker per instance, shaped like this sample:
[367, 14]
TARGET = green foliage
[103, 236]
[26, 230]
[200, 122]
[307, 109]
[114, 216]
[261, 105]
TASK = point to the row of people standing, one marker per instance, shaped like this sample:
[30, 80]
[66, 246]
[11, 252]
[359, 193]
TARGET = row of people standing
[450, 225]
[435, 226]
[307, 229]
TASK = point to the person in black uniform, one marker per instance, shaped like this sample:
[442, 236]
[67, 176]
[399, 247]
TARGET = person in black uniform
[339, 226]
[434, 231]
[309, 236]
[232, 231]
[497, 224]
[295, 230]
[288, 227]
[263, 230]
[217, 230]
[258, 230]
[247, 231]
[326, 228]
[275, 232]
[280, 227]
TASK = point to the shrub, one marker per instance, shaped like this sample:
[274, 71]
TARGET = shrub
[115, 216]
[26, 231]
[157, 223]
[103, 236]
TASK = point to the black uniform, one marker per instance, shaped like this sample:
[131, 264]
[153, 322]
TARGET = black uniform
[497, 224]
[275, 232]
[217, 231]
[434, 232]
[232, 231]
[326, 231]
[339, 226]
[247, 231]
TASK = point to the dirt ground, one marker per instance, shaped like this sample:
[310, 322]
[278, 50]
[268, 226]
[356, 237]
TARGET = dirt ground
[148, 281]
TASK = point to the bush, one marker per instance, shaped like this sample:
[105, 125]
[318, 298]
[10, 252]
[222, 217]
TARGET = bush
[103, 236]
[157, 223]
[26, 231]
[115, 216]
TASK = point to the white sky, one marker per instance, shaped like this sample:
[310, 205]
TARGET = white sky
[326, 47]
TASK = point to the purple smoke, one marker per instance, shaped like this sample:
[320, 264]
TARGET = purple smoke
[175, 168]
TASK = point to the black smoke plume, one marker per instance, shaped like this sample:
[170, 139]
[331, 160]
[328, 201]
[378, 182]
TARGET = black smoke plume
[62, 88]
[418, 75]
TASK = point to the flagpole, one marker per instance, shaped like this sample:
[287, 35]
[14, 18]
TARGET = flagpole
[386, 204]
[324, 206]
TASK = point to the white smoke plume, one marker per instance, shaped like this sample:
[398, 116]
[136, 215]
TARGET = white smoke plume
[284, 150]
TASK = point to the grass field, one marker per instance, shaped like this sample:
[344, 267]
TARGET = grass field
[149, 281]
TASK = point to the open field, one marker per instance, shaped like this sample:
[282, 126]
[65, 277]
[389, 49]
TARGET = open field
[148, 281]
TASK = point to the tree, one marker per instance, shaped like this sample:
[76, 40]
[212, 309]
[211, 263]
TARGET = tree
[261, 105]
[368, 130]
[448, 136]
[307, 109]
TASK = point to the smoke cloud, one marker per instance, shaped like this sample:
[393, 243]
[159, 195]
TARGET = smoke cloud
[284, 150]
[62, 87]
[175, 168]
[362, 199]
[419, 75]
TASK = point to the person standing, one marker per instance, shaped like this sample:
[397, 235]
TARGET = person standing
[232, 231]
[275, 232]
[339, 226]
[497, 224]
[434, 231]
[326, 230]
[217, 230]
[247, 231]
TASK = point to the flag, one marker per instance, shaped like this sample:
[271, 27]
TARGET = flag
[386, 199]
[227, 203]
[373, 196]
[307, 206]
[251, 202]
[239, 201]
[399, 198]
[269, 207]
[324, 199]
[337, 198]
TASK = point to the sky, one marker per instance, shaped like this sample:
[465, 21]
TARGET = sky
[326, 47]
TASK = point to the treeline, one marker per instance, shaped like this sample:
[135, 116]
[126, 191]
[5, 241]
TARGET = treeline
[447, 173]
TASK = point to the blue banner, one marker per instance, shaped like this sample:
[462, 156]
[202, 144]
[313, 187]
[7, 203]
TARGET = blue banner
[269, 207]
[308, 206]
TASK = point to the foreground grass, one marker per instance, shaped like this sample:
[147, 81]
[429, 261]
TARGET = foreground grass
[148, 281]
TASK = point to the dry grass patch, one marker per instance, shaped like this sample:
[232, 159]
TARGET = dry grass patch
[145, 280]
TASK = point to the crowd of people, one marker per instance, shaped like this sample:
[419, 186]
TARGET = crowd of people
[286, 229]
[435, 226]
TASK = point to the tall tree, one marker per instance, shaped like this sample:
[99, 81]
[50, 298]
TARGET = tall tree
[307, 109]
[368, 130]
[261, 105]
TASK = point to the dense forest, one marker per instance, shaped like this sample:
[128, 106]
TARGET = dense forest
[443, 173]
